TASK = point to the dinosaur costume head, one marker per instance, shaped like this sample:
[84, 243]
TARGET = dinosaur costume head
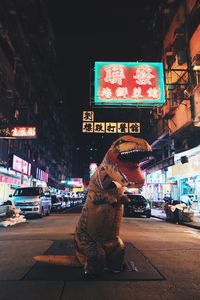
[121, 162]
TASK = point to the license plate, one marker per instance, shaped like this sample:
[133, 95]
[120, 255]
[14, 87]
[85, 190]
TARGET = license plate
[138, 210]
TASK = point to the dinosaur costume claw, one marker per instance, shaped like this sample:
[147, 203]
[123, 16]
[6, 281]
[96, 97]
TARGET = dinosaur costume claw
[97, 242]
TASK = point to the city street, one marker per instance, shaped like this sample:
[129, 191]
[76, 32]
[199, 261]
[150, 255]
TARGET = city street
[173, 250]
[99, 108]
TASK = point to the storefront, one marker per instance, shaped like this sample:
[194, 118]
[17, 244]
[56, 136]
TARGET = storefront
[40, 178]
[10, 179]
[7, 185]
[186, 172]
[154, 185]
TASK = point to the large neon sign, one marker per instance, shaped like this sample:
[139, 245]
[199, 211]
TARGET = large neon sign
[129, 84]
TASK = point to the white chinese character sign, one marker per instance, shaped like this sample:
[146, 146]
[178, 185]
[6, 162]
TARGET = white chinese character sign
[18, 132]
[88, 116]
[129, 84]
[89, 125]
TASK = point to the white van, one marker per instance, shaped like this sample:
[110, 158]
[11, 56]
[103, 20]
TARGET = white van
[32, 201]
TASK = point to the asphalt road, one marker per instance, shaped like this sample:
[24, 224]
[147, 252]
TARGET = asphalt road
[172, 249]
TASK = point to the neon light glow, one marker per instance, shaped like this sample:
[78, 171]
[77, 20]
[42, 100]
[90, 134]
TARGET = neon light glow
[129, 84]
[21, 165]
[92, 168]
[18, 132]
[75, 182]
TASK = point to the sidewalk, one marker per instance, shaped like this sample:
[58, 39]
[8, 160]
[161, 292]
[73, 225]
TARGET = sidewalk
[160, 214]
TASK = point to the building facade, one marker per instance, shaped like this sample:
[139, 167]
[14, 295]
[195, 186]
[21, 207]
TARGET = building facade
[29, 95]
[176, 131]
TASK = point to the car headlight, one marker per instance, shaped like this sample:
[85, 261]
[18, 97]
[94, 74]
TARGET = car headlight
[35, 203]
[148, 206]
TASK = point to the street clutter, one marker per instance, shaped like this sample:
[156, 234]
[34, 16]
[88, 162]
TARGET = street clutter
[178, 212]
[10, 215]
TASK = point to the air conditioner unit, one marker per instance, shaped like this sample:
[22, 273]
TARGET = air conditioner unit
[159, 111]
[184, 159]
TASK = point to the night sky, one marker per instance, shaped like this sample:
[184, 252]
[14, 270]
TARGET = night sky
[101, 31]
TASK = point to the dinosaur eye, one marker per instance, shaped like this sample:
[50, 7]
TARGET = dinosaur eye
[120, 142]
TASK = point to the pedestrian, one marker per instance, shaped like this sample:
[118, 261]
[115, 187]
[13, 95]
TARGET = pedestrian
[176, 215]
[167, 198]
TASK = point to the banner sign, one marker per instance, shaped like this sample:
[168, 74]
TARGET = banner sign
[21, 165]
[90, 126]
[110, 127]
[18, 132]
[9, 180]
[41, 175]
[129, 84]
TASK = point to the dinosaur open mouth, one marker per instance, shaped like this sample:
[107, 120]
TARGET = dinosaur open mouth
[127, 163]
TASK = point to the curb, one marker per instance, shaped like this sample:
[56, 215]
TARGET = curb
[183, 224]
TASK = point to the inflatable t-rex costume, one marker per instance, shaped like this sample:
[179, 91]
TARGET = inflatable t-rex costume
[97, 243]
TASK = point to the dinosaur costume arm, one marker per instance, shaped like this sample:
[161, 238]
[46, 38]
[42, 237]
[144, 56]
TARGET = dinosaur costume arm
[104, 188]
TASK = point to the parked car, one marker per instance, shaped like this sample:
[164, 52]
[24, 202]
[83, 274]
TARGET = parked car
[32, 201]
[137, 206]
[58, 203]
[84, 196]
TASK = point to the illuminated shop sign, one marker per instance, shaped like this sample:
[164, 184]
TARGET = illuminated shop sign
[75, 182]
[41, 175]
[88, 116]
[18, 132]
[90, 126]
[129, 84]
[9, 180]
[187, 169]
[155, 177]
[111, 127]
[21, 165]
[189, 153]
[92, 168]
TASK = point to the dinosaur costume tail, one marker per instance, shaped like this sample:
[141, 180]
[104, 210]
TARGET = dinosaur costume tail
[59, 260]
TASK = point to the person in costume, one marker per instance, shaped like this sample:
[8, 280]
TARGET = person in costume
[98, 246]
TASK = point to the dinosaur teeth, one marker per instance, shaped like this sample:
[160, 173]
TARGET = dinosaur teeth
[132, 151]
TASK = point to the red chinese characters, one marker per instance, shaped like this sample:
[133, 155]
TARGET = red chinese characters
[124, 82]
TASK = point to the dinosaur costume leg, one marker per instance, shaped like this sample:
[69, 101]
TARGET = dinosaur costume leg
[102, 249]
[115, 255]
[88, 251]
